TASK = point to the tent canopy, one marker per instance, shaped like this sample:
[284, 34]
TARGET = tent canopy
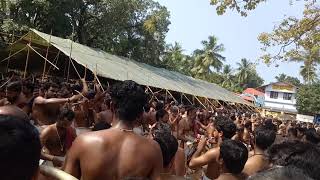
[120, 68]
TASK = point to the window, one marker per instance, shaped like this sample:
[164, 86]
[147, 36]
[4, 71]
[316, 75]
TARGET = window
[273, 95]
[287, 96]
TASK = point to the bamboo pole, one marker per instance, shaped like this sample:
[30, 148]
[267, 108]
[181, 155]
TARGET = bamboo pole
[187, 98]
[200, 102]
[171, 95]
[27, 60]
[85, 72]
[152, 93]
[13, 55]
[96, 76]
[56, 59]
[26, 65]
[70, 59]
[210, 103]
[45, 62]
[42, 56]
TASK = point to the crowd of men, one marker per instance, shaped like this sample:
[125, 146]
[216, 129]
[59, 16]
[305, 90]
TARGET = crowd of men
[125, 133]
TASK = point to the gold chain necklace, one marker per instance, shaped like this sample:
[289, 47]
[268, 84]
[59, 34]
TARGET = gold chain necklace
[61, 145]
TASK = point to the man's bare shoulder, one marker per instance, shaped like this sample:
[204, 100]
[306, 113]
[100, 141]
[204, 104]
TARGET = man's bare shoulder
[38, 100]
[213, 154]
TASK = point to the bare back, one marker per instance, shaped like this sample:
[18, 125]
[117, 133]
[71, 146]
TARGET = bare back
[255, 164]
[114, 154]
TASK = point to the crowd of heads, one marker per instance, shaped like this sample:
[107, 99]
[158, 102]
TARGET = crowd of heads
[291, 147]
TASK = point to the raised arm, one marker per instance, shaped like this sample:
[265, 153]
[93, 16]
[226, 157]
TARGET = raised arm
[199, 160]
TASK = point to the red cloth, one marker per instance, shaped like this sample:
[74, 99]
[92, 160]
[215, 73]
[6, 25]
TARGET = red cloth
[70, 137]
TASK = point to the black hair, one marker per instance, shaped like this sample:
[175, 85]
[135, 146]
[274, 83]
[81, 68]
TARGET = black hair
[264, 136]
[281, 173]
[225, 125]
[234, 155]
[29, 85]
[293, 131]
[15, 86]
[160, 114]
[159, 105]
[19, 148]
[312, 136]
[168, 144]
[101, 126]
[128, 99]
[302, 155]
[66, 113]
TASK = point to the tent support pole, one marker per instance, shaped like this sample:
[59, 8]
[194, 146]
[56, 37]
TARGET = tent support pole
[187, 98]
[152, 93]
[171, 95]
[45, 62]
[13, 55]
[26, 65]
[42, 56]
[55, 63]
[85, 72]
[210, 103]
[200, 102]
[70, 59]
[97, 78]
[27, 60]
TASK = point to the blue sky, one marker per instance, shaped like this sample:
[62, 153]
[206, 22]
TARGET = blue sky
[194, 20]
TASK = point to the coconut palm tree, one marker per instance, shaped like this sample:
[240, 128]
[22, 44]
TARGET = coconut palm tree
[244, 69]
[208, 57]
[228, 80]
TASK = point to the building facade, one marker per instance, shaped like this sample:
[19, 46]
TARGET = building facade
[280, 97]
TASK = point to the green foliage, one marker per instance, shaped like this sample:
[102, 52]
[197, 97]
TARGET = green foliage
[241, 6]
[207, 57]
[247, 75]
[297, 40]
[288, 79]
[130, 28]
[308, 99]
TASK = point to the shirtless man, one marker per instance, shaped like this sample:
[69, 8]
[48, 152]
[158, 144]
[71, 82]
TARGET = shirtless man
[174, 118]
[186, 127]
[106, 115]
[57, 138]
[117, 153]
[28, 90]
[224, 129]
[20, 145]
[232, 158]
[45, 109]
[14, 95]
[169, 146]
[264, 138]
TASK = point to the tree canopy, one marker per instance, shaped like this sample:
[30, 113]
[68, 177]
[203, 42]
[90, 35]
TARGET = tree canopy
[288, 79]
[130, 28]
[308, 99]
[241, 6]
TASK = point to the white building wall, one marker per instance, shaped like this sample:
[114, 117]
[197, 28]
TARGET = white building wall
[280, 103]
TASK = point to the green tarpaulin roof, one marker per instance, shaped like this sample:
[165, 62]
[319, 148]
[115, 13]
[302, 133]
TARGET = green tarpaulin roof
[120, 68]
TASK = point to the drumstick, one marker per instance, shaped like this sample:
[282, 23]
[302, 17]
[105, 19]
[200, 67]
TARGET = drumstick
[80, 93]
[5, 83]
